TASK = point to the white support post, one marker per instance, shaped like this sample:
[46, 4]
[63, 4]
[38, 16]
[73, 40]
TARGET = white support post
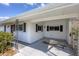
[16, 36]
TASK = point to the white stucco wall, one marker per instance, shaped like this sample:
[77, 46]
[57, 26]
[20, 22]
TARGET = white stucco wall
[57, 34]
[34, 36]
[24, 36]
[2, 28]
[31, 35]
[8, 29]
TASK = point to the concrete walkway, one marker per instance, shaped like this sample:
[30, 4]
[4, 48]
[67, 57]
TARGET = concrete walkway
[41, 49]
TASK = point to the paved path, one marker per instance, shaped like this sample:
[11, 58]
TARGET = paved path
[41, 49]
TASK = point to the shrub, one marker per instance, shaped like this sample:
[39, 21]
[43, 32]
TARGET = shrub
[5, 40]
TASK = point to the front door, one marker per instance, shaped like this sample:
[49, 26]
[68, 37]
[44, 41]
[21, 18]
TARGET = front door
[12, 28]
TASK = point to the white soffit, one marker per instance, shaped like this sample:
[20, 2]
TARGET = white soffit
[68, 16]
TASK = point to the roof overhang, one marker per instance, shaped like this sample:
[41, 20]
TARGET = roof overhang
[52, 11]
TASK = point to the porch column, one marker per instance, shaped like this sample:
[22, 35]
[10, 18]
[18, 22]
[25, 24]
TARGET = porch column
[69, 27]
[16, 34]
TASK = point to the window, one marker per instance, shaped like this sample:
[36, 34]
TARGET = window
[55, 28]
[39, 27]
[12, 28]
[20, 27]
[52, 28]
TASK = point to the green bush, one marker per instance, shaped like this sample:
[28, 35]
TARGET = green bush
[5, 40]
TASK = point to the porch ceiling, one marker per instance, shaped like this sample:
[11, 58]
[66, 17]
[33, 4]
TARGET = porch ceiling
[68, 16]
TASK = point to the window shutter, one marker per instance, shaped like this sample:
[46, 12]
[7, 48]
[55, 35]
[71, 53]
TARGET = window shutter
[36, 27]
[4, 28]
[24, 27]
[61, 28]
[47, 28]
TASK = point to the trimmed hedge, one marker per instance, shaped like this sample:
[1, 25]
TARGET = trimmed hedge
[5, 40]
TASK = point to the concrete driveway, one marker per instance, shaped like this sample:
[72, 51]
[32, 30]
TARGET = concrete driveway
[41, 49]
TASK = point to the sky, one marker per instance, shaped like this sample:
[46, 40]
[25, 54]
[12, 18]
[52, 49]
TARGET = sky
[8, 10]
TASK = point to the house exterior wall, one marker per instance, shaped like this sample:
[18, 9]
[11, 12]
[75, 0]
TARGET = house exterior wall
[34, 36]
[2, 28]
[56, 34]
[31, 35]
[8, 29]
[24, 36]
[45, 17]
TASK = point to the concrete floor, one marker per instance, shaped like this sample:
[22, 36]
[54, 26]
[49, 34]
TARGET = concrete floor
[41, 49]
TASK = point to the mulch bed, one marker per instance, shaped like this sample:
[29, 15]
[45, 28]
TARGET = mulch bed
[8, 52]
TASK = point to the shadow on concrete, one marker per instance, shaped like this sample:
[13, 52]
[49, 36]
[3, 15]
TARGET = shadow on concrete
[40, 45]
